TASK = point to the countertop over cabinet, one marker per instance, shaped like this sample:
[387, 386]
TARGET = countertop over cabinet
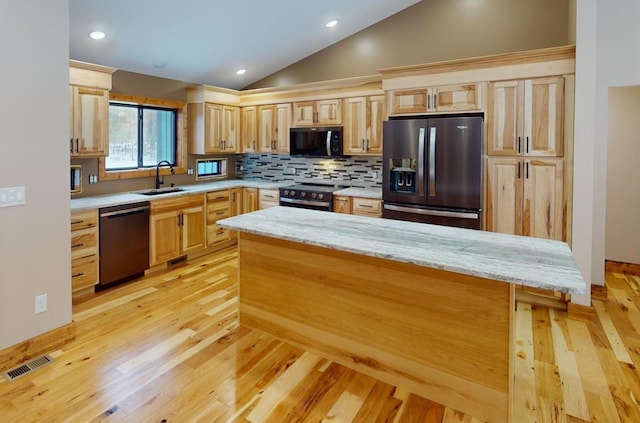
[533, 262]
[373, 192]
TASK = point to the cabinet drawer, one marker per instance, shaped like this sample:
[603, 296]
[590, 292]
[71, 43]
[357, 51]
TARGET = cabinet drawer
[213, 214]
[84, 242]
[84, 272]
[177, 203]
[218, 197]
[216, 234]
[268, 198]
[366, 207]
[83, 220]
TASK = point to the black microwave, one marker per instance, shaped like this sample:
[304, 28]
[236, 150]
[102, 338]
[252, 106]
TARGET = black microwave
[316, 141]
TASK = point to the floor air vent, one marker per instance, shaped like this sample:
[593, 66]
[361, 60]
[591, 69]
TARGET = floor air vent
[27, 367]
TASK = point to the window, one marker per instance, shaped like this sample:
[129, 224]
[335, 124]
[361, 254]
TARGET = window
[140, 136]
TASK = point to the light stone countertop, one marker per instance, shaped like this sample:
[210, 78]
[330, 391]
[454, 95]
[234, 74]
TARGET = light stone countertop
[373, 192]
[107, 200]
[533, 262]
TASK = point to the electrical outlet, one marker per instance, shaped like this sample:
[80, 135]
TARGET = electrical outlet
[190, 171]
[41, 303]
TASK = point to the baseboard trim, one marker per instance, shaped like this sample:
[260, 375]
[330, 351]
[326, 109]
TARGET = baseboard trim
[620, 267]
[580, 312]
[599, 292]
[535, 299]
[36, 346]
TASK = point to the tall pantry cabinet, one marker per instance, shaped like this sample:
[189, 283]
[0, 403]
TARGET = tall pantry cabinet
[525, 164]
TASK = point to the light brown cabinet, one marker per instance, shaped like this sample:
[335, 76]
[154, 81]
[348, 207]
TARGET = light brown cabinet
[268, 198]
[212, 128]
[177, 227]
[525, 196]
[218, 207]
[363, 119]
[274, 121]
[249, 200]
[89, 122]
[446, 98]
[342, 204]
[249, 121]
[525, 117]
[84, 250]
[235, 202]
[366, 207]
[317, 112]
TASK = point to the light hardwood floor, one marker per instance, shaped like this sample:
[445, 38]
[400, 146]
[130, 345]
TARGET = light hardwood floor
[167, 348]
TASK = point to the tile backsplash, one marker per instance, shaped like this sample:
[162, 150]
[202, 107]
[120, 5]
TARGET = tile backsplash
[351, 171]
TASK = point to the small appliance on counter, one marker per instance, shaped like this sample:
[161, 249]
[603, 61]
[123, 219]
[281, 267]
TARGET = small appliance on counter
[432, 170]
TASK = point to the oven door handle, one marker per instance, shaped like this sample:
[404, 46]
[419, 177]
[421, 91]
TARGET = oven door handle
[305, 202]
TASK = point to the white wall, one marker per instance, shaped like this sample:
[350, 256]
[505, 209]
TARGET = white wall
[607, 55]
[622, 233]
[34, 117]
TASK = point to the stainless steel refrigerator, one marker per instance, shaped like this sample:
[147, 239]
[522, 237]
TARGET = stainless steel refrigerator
[432, 170]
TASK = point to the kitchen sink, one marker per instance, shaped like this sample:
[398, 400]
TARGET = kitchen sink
[160, 191]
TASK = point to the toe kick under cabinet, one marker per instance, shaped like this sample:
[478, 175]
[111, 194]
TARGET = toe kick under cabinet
[84, 251]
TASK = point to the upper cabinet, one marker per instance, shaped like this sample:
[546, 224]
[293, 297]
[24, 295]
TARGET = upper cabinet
[363, 118]
[274, 121]
[525, 117]
[212, 128]
[447, 98]
[317, 113]
[89, 109]
[249, 121]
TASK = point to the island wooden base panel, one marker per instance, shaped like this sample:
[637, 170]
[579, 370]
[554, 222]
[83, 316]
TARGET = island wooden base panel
[443, 335]
[168, 346]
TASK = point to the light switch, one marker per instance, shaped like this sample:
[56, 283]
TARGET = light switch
[15, 196]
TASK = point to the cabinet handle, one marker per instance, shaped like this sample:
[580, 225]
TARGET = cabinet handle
[519, 170]
[527, 173]
[71, 145]
[179, 216]
[367, 144]
[233, 195]
[78, 145]
[367, 206]
[254, 144]
[526, 145]
[77, 274]
[77, 245]
[219, 213]
[428, 101]
[362, 144]
[518, 146]
[435, 101]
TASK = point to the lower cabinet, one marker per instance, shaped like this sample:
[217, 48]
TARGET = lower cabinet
[218, 207]
[84, 250]
[249, 200]
[360, 206]
[525, 196]
[268, 198]
[177, 227]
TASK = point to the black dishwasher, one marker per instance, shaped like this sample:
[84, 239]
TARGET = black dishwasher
[124, 242]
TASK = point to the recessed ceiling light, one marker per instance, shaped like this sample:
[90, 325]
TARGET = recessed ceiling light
[241, 71]
[97, 35]
[331, 24]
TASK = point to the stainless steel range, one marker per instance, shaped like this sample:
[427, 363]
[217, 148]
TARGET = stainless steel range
[309, 196]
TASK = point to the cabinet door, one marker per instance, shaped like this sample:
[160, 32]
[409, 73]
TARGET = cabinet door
[249, 200]
[230, 130]
[542, 199]
[504, 195]
[249, 129]
[213, 119]
[164, 236]
[266, 119]
[504, 118]
[413, 101]
[375, 117]
[90, 122]
[235, 202]
[193, 229]
[283, 124]
[341, 204]
[355, 125]
[543, 116]
[304, 113]
[329, 112]
[453, 98]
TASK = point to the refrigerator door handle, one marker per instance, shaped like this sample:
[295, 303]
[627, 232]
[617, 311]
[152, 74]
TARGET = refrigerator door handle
[421, 163]
[427, 212]
[432, 162]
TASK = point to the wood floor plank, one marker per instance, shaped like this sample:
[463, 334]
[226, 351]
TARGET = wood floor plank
[525, 378]
[612, 334]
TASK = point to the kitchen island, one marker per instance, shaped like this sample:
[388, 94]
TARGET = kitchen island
[428, 308]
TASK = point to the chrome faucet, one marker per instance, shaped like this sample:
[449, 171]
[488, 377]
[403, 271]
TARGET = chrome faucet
[158, 181]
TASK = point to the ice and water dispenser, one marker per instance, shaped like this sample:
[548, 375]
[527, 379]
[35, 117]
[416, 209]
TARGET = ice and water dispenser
[402, 176]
